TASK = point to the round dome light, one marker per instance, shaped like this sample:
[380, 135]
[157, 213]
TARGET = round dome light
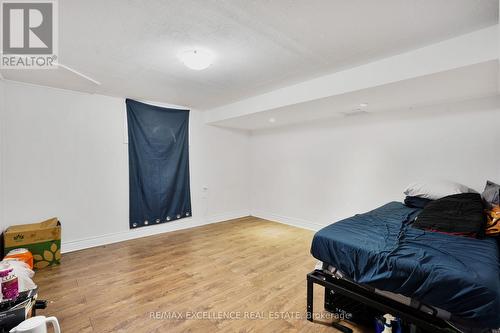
[196, 59]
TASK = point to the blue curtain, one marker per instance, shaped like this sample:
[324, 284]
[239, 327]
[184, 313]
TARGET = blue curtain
[158, 150]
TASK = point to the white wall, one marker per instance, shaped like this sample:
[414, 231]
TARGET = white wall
[2, 108]
[312, 175]
[64, 155]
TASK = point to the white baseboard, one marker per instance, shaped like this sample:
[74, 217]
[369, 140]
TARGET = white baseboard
[296, 222]
[185, 223]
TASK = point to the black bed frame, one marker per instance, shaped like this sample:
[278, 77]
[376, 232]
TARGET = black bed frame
[424, 319]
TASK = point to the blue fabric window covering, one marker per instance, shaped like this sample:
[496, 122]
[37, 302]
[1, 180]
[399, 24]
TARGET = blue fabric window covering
[158, 146]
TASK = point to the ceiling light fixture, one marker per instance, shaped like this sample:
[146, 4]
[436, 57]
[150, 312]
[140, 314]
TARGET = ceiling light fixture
[363, 105]
[272, 120]
[196, 59]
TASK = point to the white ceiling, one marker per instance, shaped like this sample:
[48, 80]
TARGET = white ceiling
[468, 83]
[131, 46]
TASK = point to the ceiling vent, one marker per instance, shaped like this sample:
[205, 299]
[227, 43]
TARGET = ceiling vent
[355, 112]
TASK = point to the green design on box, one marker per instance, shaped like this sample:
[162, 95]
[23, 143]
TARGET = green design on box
[44, 254]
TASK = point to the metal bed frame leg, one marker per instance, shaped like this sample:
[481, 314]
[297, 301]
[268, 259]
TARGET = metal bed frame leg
[310, 297]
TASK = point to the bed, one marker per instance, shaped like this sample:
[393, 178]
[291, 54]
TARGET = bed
[380, 249]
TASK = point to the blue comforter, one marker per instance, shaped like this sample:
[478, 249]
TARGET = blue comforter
[457, 274]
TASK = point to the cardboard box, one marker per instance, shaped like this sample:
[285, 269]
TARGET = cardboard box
[42, 239]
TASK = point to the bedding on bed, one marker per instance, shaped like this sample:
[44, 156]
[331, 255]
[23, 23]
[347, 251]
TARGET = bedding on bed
[379, 248]
[416, 202]
[458, 214]
[491, 194]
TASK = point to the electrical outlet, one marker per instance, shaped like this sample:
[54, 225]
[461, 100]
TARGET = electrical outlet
[204, 190]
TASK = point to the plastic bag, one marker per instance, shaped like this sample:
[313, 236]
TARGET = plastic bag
[23, 272]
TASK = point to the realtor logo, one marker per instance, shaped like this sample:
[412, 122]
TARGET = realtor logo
[29, 34]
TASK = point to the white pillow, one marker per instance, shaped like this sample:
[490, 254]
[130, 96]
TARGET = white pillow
[436, 189]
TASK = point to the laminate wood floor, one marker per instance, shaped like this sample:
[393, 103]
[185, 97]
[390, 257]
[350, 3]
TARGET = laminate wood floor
[243, 275]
